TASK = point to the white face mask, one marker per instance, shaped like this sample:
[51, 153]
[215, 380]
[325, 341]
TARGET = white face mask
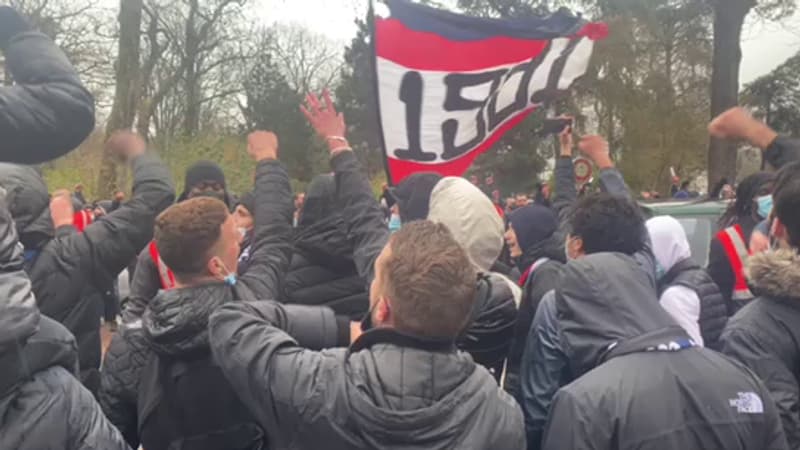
[566, 249]
[242, 232]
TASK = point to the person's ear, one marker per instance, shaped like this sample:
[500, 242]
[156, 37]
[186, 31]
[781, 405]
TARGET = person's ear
[383, 312]
[214, 266]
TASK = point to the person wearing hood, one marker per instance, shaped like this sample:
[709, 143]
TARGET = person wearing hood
[157, 373]
[42, 403]
[471, 216]
[402, 383]
[642, 381]
[322, 271]
[687, 292]
[203, 179]
[47, 112]
[538, 250]
[61, 262]
[609, 221]
[765, 333]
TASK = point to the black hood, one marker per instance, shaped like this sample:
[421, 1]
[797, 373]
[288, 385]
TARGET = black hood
[325, 243]
[551, 248]
[320, 202]
[176, 321]
[607, 307]
[29, 203]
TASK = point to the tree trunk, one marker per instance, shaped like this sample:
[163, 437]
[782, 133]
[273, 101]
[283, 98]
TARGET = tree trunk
[123, 110]
[729, 18]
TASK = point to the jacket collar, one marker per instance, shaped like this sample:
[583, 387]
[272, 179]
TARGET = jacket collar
[775, 273]
[392, 336]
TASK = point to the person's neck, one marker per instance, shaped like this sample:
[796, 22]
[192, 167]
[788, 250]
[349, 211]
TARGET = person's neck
[196, 281]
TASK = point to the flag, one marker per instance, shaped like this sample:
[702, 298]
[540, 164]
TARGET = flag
[449, 86]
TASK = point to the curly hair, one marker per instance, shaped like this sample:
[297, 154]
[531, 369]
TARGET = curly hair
[608, 223]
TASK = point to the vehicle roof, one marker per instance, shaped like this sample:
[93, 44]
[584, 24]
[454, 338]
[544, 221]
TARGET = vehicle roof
[713, 208]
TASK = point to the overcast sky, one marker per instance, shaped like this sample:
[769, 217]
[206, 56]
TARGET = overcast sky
[764, 45]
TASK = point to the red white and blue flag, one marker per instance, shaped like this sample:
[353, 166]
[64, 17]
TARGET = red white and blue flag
[449, 86]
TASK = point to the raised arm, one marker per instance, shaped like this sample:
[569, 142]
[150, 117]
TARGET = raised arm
[355, 200]
[737, 123]
[272, 246]
[565, 194]
[108, 246]
[48, 112]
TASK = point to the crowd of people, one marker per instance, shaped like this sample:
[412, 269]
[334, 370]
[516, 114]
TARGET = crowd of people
[428, 318]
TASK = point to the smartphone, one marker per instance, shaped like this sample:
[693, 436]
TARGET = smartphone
[554, 126]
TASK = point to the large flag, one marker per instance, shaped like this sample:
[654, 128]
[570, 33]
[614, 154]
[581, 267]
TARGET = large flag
[449, 86]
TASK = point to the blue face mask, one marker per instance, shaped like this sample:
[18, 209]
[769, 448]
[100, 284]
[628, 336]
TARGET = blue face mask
[395, 223]
[230, 280]
[660, 272]
[764, 206]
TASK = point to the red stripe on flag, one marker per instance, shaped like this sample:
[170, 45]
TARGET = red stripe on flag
[400, 169]
[420, 50]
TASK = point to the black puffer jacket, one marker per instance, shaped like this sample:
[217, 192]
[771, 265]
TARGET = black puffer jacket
[644, 386]
[713, 310]
[322, 271]
[765, 334]
[62, 263]
[538, 283]
[42, 404]
[48, 112]
[387, 391]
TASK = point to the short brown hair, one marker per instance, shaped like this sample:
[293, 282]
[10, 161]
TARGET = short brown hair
[429, 281]
[186, 233]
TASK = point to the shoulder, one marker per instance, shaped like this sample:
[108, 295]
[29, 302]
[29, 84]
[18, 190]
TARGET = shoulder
[501, 290]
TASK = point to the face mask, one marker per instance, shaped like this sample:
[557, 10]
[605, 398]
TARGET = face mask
[566, 249]
[395, 223]
[219, 195]
[764, 206]
[242, 232]
[660, 272]
[230, 278]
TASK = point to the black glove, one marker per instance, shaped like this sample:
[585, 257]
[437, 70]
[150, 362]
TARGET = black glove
[11, 24]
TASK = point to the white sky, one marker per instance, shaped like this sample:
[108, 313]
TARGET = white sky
[764, 45]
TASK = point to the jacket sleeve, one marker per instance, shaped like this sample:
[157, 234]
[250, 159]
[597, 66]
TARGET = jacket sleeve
[48, 112]
[782, 151]
[277, 379]
[569, 425]
[144, 286]
[271, 249]
[746, 347]
[543, 366]
[362, 213]
[108, 245]
[90, 429]
[119, 382]
[565, 194]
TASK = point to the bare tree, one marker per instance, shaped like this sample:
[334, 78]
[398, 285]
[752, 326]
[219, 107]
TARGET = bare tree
[309, 61]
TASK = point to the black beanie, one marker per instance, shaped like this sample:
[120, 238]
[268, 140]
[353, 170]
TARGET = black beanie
[413, 195]
[248, 200]
[533, 224]
[203, 171]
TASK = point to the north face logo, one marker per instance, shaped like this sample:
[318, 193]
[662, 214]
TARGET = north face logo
[748, 403]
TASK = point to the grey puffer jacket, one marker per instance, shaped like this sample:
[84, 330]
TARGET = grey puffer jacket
[42, 405]
[387, 391]
[62, 263]
[643, 383]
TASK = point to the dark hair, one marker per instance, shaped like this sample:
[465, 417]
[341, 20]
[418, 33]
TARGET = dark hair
[429, 281]
[685, 185]
[186, 234]
[608, 223]
[787, 201]
[717, 189]
[749, 188]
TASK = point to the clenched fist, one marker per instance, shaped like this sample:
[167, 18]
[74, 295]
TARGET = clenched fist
[262, 145]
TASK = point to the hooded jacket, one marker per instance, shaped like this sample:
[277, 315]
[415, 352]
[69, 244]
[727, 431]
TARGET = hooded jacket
[62, 263]
[644, 385]
[686, 291]
[42, 404]
[322, 271]
[764, 335]
[471, 217]
[48, 111]
[175, 323]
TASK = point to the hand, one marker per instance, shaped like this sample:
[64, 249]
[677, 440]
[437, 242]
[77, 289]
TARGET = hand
[61, 210]
[326, 121]
[596, 149]
[737, 123]
[565, 139]
[262, 145]
[127, 145]
[759, 242]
